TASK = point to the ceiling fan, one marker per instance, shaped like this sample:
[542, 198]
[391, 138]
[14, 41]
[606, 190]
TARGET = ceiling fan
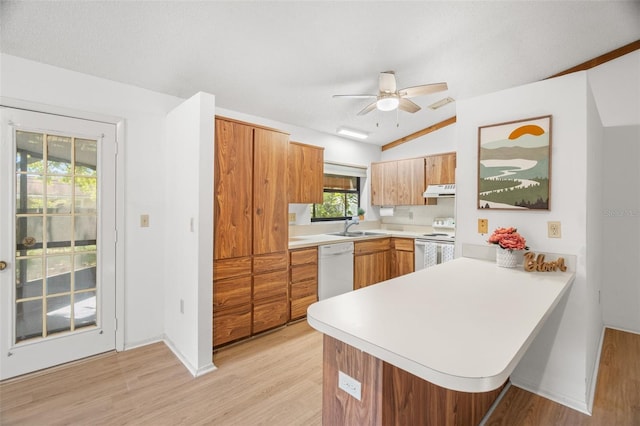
[389, 98]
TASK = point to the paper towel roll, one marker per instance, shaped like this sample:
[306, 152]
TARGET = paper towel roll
[386, 211]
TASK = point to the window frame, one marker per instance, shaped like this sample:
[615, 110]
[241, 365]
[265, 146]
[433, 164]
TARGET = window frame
[356, 191]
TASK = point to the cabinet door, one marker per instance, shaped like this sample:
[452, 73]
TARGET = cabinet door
[411, 182]
[232, 186]
[270, 220]
[270, 313]
[306, 173]
[231, 324]
[441, 169]
[403, 260]
[370, 268]
[384, 183]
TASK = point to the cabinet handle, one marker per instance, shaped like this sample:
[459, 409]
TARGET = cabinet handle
[3, 265]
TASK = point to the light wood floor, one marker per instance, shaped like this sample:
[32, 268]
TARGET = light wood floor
[272, 380]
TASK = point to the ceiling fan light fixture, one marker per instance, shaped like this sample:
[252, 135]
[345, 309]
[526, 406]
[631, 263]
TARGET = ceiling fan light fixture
[387, 103]
[358, 134]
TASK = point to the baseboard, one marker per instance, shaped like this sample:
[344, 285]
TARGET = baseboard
[591, 391]
[574, 404]
[140, 343]
[195, 372]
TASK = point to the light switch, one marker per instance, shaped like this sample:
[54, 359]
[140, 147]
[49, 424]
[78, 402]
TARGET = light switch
[144, 221]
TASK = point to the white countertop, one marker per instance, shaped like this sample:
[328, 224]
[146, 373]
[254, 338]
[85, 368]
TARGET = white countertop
[463, 325]
[319, 239]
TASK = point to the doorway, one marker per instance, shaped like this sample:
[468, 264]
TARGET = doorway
[57, 239]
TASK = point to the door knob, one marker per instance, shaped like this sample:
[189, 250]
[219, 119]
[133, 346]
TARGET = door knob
[3, 265]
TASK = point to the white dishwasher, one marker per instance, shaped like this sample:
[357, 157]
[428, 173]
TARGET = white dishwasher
[335, 269]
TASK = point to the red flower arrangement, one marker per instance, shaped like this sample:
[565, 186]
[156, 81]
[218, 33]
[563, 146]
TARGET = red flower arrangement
[509, 239]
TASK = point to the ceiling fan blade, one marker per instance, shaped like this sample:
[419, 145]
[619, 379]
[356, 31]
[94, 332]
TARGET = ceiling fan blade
[387, 82]
[355, 96]
[368, 108]
[424, 89]
[408, 106]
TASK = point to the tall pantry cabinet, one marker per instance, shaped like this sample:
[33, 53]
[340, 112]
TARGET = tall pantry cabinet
[250, 277]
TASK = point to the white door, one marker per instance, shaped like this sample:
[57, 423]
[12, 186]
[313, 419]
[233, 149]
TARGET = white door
[57, 240]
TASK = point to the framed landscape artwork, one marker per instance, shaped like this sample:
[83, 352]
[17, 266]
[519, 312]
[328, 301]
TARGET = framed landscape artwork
[514, 165]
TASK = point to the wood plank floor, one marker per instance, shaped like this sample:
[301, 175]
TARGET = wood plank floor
[616, 402]
[275, 379]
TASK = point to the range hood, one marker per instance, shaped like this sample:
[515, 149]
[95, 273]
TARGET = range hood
[440, 191]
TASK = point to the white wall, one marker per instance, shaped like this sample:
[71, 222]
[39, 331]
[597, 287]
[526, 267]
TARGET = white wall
[188, 232]
[556, 362]
[144, 113]
[621, 216]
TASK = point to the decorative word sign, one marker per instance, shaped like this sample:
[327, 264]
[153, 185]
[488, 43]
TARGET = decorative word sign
[533, 263]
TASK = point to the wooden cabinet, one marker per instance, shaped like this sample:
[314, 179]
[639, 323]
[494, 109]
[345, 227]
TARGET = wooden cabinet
[397, 183]
[402, 259]
[250, 287]
[411, 182]
[306, 173]
[384, 183]
[303, 280]
[371, 262]
[440, 169]
[402, 182]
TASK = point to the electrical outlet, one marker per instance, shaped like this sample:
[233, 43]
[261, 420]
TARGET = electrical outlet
[350, 385]
[144, 221]
[554, 230]
[292, 217]
[483, 226]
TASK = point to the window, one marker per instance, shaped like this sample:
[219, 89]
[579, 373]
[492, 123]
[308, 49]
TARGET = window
[341, 198]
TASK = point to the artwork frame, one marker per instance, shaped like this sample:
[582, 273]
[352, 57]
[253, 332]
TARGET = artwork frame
[514, 165]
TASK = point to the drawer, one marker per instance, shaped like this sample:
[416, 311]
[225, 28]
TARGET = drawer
[234, 267]
[304, 273]
[270, 313]
[304, 289]
[404, 244]
[231, 324]
[271, 284]
[300, 257]
[371, 246]
[270, 262]
[231, 292]
[299, 306]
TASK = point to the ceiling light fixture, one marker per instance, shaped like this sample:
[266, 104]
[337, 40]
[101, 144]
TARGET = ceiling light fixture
[387, 103]
[352, 133]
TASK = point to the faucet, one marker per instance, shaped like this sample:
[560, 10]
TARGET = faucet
[353, 221]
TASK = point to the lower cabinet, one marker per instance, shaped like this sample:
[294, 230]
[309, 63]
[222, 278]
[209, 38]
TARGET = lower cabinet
[402, 259]
[371, 262]
[250, 295]
[303, 280]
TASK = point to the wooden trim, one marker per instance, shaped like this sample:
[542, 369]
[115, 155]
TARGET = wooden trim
[591, 63]
[246, 123]
[306, 145]
[419, 133]
[609, 56]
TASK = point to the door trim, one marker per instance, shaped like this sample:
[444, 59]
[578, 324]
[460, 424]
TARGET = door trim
[119, 122]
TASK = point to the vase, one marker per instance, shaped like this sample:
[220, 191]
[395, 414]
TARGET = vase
[506, 258]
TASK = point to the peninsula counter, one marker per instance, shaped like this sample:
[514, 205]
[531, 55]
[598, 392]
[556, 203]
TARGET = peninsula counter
[456, 330]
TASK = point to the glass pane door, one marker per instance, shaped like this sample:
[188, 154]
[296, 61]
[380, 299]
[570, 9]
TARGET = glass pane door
[56, 233]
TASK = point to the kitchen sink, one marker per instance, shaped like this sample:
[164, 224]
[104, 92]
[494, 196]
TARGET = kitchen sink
[355, 234]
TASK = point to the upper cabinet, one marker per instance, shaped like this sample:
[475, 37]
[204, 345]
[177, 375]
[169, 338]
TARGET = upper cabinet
[411, 182]
[397, 183]
[439, 170]
[402, 182]
[306, 173]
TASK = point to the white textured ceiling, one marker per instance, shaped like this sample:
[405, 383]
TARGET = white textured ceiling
[284, 60]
